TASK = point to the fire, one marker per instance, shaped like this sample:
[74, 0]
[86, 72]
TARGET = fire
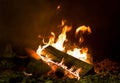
[61, 39]
[83, 29]
[79, 53]
[76, 53]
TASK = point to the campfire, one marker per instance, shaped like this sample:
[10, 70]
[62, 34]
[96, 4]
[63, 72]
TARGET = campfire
[75, 62]
[62, 56]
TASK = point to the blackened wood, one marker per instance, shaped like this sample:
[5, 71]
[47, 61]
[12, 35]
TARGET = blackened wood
[69, 60]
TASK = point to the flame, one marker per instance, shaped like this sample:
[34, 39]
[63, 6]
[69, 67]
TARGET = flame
[80, 53]
[76, 52]
[61, 39]
[83, 29]
[63, 22]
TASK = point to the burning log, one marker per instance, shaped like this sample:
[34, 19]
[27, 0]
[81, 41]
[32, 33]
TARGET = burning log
[36, 65]
[40, 67]
[69, 61]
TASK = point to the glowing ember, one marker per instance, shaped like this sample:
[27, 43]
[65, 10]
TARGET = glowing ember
[58, 7]
[79, 53]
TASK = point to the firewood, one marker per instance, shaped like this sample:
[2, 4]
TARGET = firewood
[69, 60]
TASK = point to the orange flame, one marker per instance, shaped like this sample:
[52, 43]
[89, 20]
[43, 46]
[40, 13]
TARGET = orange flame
[61, 39]
[80, 53]
[83, 29]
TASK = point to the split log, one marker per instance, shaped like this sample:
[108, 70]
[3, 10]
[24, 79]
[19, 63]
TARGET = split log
[69, 60]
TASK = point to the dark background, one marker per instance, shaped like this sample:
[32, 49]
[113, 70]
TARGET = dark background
[21, 21]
